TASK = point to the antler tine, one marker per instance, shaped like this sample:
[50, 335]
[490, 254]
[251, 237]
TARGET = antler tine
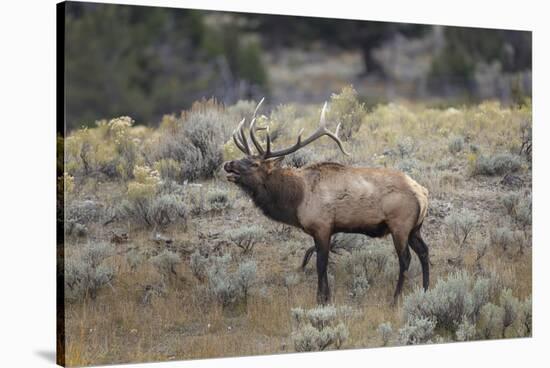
[239, 137]
[253, 136]
[241, 141]
[243, 137]
[267, 141]
[238, 143]
[322, 120]
[335, 137]
[318, 133]
[253, 130]
[258, 106]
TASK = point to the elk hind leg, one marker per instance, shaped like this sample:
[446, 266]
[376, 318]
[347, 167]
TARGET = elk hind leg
[404, 256]
[421, 249]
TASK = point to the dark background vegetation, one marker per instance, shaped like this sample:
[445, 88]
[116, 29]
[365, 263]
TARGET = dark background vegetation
[149, 61]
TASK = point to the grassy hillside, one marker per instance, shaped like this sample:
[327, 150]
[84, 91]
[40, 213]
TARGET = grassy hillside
[166, 260]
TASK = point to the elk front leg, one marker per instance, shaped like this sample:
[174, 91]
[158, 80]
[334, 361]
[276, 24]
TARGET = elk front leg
[322, 245]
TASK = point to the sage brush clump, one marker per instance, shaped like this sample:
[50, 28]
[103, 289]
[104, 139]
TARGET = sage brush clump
[346, 109]
[456, 144]
[417, 331]
[218, 199]
[165, 262]
[226, 286]
[245, 237]
[498, 164]
[462, 306]
[149, 202]
[195, 141]
[385, 331]
[86, 272]
[461, 225]
[449, 302]
[318, 328]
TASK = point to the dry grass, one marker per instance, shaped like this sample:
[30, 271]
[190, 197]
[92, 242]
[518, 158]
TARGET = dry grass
[180, 321]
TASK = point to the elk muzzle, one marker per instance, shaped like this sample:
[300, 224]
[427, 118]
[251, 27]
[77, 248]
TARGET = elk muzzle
[232, 173]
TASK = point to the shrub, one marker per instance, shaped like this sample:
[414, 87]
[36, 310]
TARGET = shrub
[526, 130]
[168, 168]
[195, 141]
[510, 202]
[165, 263]
[501, 238]
[230, 287]
[520, 209]
[318, 328]
[197, 202]
[155, 211]
[481, 293]
[385, 330]
[84, 211]
[148, 203]
[523, 213]
[490, 323]
[375, 261]
[347, 110]
[511, 308]
[68, 182]
[461, 225]
[357, 268]
[245, 277]
[466, 330]
[218, 199]
[456, 144]
[282, 118]
[417, 331]
[449, 302]
[498, 164]
[167, 209]
[109, 149]
[134, 259]
[527, 316]
[291, 280]
[245, 237]
[410, 166]
[85, 272]
[198, 265]
[220, 283]
[406, 147]
[301, 158]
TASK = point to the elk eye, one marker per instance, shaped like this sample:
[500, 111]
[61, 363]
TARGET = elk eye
[255, 164]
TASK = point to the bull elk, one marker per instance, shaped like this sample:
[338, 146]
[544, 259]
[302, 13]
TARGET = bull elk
[327, 198]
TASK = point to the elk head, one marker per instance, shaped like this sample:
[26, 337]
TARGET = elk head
[252, 171]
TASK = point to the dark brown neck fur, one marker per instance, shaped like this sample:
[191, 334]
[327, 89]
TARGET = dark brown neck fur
[280, 195]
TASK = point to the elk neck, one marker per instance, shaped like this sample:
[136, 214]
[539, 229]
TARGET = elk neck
[279, 196]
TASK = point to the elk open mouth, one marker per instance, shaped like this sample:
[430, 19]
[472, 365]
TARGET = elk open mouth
[232, 174]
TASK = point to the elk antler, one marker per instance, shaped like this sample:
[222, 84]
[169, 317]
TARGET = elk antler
[240, 138]
[321, 131]
[241, 142]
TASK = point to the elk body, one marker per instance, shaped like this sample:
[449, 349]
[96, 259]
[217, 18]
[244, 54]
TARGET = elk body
[327, 198]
